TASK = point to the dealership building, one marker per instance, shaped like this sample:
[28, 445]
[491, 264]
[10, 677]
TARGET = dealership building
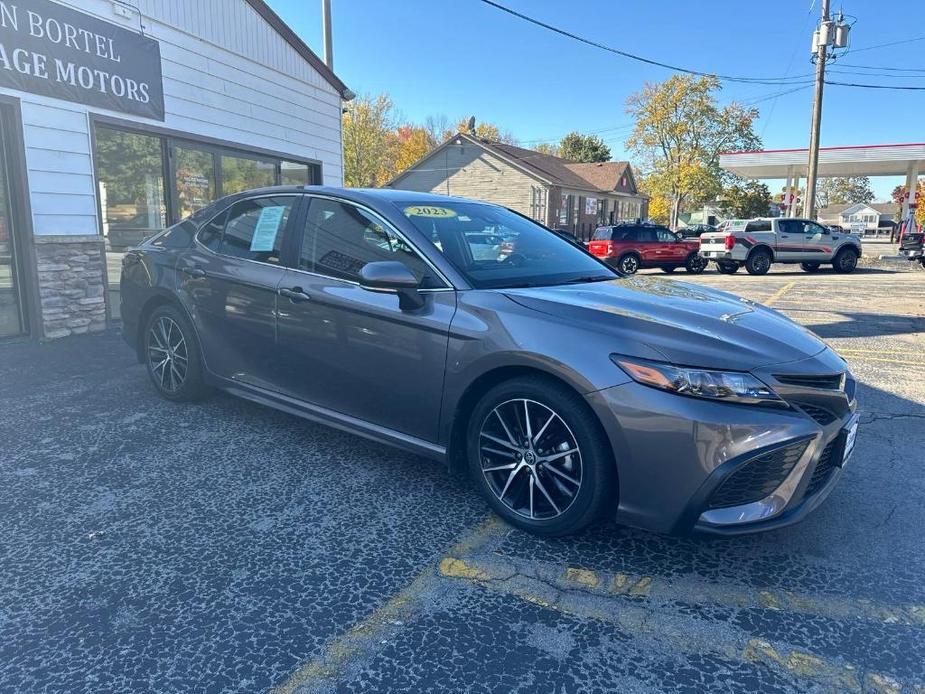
[120, 118]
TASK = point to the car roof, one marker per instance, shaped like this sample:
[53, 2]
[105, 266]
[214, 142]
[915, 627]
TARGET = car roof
[362, 194]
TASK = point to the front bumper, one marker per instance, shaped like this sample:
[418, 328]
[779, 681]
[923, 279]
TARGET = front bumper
[673, 454]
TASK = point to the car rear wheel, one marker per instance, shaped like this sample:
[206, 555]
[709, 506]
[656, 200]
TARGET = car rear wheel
[727, 268]
[538, 456]
[845, 261]
[669, 268]
[172, 356]
[628, 264]
[758, 262]
[695, 264]
[809, 267]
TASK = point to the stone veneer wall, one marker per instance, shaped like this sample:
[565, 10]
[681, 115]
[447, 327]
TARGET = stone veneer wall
[71, 285]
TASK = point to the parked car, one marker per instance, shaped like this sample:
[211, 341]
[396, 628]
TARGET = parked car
[757, 243]
[694, 231]
[631, 247]
[569, 391]
[911, 246]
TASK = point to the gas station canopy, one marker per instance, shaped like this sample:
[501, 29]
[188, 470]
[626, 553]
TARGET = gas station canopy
[861, 160]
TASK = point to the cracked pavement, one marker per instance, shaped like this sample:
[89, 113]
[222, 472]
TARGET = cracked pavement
[225, 547]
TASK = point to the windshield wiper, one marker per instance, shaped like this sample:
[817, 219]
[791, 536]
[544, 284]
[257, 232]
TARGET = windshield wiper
[588, 278]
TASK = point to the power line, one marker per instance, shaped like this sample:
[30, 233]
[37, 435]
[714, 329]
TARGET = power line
[648, 61]
[881, 67]
[878, 86]
[884, 45]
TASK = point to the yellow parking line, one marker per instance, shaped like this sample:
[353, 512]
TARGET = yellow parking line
[370, 631]
[899, 362]
[779, 293]
[880, 351]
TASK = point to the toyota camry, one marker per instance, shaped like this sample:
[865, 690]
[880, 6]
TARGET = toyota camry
[569, 391]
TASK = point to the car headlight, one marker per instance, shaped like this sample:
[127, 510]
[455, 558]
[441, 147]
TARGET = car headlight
[725, 386]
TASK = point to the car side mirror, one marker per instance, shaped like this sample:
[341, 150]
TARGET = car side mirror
[392, 276]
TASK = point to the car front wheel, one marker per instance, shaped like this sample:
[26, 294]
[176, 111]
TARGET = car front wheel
[845, 261]
[172, 355]
[538, 456]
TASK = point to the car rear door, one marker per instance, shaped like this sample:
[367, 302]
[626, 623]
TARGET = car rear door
[648, 245]
[228, 282]
[356, 351]
[789, 243]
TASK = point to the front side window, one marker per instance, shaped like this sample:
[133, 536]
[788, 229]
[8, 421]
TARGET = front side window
[340, 238]
[252, 229]
[467, 233]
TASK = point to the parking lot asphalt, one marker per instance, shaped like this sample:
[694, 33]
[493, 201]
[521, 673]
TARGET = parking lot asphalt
[225, 547]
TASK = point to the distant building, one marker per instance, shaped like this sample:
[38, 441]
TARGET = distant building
[860, 216]
[556, 192]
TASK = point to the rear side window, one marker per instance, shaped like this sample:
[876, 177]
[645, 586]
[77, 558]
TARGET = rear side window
[178, 236]
[760, 225]
[646, 235]
[251, 229]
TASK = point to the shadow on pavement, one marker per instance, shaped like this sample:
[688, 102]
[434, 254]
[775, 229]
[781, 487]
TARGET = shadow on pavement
[869, 325]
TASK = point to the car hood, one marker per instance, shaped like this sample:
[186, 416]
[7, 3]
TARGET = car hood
[689, 324]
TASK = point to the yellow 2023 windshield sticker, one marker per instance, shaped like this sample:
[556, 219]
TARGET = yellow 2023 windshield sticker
[427, 211]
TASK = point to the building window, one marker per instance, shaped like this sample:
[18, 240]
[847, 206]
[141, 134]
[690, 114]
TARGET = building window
[293, 174]
[240, 174]
[130, 181]
[194, 179]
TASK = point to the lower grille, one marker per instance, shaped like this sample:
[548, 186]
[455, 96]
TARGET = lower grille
[820, 414]
[757, 478]
[823, 469]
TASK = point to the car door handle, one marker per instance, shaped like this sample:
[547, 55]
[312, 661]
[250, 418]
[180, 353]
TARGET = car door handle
[197, 272]
[294, 294]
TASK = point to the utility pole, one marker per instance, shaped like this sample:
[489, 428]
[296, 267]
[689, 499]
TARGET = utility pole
[821, 38]
[830, 34]
[326, 33]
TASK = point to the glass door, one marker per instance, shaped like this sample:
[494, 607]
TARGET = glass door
[12, 320]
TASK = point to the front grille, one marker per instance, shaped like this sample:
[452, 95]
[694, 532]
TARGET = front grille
[820, 414]
[823, 469]
[757, 478]
[821, 381]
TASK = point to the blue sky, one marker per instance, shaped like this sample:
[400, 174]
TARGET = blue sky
[462, 57]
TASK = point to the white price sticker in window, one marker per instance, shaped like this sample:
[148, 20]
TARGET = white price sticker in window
[266, 229]
[428, 211]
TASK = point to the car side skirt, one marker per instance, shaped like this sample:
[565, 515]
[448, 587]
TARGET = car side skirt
[337, 420]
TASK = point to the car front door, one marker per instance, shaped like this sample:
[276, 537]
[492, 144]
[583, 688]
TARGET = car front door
[671, 249]
[817, 242]
[355, 351]
[228, 282]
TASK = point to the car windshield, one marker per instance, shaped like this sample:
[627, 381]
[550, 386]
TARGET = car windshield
[496, 248]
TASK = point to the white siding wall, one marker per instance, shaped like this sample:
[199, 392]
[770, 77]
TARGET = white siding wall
[227, 75]
[471, 172]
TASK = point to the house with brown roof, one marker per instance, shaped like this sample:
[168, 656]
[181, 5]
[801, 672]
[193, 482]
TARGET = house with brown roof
[863, 217]
[556, 192]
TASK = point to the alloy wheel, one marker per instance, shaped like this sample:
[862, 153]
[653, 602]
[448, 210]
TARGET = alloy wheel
[629, 264]
[530, 459]
[168, 356]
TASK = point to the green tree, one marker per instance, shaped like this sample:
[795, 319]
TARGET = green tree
[746, 200]
[583, 148]
[846, 190]
[679, 133]
[548, 148]
[483, 131]
[369, 141]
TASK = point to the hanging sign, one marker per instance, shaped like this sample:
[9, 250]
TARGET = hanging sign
[53, 50]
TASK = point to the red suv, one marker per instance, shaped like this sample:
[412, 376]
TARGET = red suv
[629, 247]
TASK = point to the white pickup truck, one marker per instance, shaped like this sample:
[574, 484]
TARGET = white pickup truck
[757, 243]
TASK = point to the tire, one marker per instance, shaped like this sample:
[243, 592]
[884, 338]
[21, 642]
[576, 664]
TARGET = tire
[845, 261]
[174, 364]
[695, 264]
[809, 267]
[668, 269]
[758, 262]
[727, 268]
[498, 419]
[628, 264]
